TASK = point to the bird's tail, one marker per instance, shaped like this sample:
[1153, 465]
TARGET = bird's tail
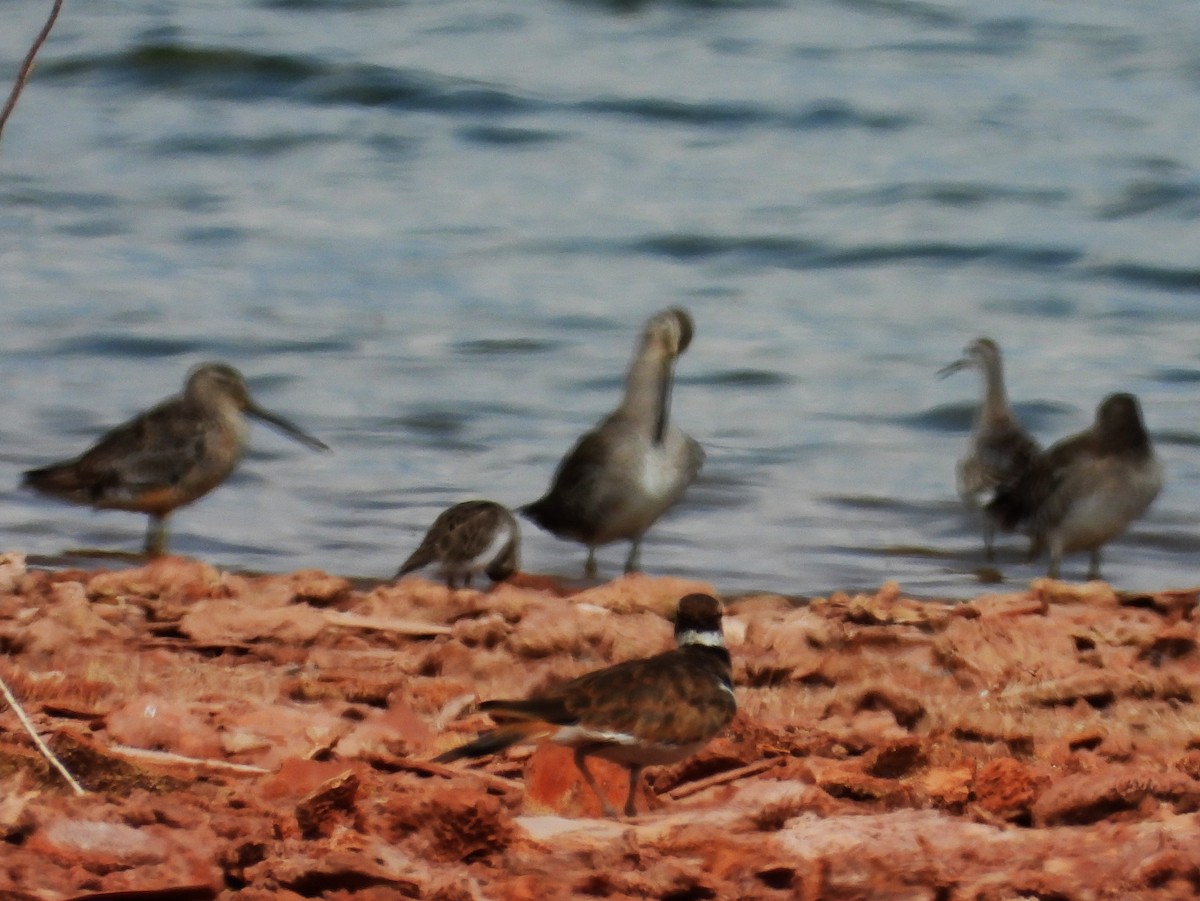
[550, 515]
[496, 741]
[58, 480]
[421, 557]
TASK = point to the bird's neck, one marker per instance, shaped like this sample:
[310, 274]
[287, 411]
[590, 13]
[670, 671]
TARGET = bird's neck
[706, 646]
[647, 390]
[995, 397]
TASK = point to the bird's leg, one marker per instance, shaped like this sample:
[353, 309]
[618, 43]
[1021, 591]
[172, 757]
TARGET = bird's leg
[1094, 568]
[635, 774]
[581, 762]
[632, 564]
[989, 536]
[1056, 553]
[589, 568]
[156, 536]
[1037, 544]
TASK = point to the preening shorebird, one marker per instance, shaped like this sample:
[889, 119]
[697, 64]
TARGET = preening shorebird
[624, 474]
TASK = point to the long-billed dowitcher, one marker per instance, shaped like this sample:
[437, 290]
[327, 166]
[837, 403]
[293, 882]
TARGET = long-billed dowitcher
[468, 539]
[167, 456]
[627, 472]
[1087, 489]
[648, 712]
[1000, 449]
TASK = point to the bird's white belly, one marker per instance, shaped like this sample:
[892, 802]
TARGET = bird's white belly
[656, 477]
[1100, 515]
[480, 562]
[620, 747]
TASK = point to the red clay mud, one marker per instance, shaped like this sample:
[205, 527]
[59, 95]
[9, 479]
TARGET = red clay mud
[269, 737]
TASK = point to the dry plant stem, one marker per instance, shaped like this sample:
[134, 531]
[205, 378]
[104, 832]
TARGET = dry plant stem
[198, 763]
[27, 65]
[694, 788]
[37, 739]
[384, 624]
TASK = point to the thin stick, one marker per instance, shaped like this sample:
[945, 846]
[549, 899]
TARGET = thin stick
[384, 624]
[37, 739]
[27, 65]
[200, 763]
[700, 785]
[429, 768]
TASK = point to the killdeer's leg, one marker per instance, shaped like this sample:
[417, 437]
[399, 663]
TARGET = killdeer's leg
[589, 568]
[1094, 568]
[635, 774]
[989, 535]
[581, 762]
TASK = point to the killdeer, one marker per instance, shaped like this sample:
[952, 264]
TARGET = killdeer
[468, 539]
[1000, 449]
[634, 465]
[1085, 490]
[167, 456]
[647, 712]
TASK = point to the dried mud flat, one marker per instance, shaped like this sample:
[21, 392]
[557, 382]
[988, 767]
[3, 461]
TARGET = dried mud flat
[267, 737]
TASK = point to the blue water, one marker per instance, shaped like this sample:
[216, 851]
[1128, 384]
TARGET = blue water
[429, 232]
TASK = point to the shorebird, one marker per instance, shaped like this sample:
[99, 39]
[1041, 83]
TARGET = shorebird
[1000, 449]
[1085, 490]
[168, 456]
[647, 712]
[468, 539]
[635, 464]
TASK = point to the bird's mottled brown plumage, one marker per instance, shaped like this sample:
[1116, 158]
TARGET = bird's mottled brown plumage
[624, 474]
[167, 456]
[1001, 449]
[1088, 488]
[646, 712]
[467, 539]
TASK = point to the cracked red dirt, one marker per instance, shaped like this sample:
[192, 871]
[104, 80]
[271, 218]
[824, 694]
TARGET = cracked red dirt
[258, 737]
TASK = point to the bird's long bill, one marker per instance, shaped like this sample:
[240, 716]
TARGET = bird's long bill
[952, 368]
[662, 415]
[287, 427]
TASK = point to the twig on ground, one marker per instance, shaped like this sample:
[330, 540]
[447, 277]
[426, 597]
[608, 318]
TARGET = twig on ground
[37, 739]
[27, 65]
[693, 788]
[429, 768]
[200, 763]
[384, 624]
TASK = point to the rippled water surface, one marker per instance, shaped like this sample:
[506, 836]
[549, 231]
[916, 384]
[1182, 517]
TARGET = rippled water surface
[429, 232]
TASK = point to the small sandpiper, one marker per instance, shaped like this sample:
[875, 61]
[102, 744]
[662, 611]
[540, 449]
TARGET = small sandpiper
[634, 465]
[466, 540]
[647, 712]
[1087, 489]
[167, 456]
[1000, 449]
